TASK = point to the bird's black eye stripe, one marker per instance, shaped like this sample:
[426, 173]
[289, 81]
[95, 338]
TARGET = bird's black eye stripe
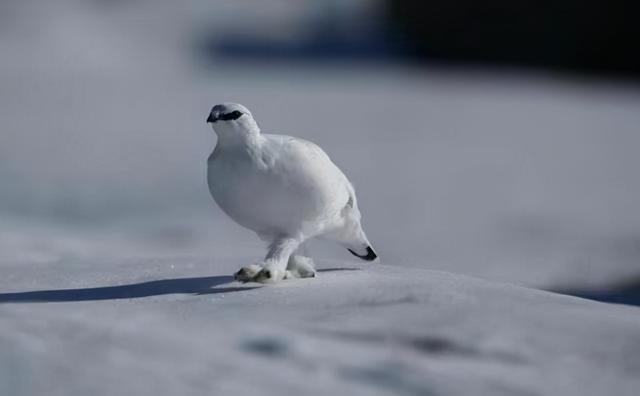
[234, 115]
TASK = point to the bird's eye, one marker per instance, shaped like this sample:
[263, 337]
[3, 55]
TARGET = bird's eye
[234, 115]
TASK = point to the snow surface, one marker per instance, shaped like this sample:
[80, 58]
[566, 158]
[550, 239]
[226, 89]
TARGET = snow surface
[181, 326]
[115, 265]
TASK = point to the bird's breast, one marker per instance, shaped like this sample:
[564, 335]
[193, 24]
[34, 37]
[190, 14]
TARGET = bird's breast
[263, 198]
[251, 196]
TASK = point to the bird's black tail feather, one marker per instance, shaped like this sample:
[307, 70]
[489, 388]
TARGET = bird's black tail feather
[370, 256]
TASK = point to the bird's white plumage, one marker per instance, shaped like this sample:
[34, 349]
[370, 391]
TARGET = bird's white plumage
[285, 189]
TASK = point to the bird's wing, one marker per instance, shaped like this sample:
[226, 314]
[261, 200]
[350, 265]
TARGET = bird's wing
[310, 164]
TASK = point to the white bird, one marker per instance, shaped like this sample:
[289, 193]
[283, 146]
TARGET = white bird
[285, 189]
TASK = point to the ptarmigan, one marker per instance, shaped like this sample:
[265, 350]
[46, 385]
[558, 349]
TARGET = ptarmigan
[285, 189]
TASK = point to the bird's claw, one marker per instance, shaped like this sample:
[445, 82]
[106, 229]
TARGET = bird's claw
[247, 274]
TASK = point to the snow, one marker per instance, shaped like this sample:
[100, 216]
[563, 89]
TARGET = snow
[182, 326]
[116, 265]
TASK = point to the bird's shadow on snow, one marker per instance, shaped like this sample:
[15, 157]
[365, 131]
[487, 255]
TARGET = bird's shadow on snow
[196, 286]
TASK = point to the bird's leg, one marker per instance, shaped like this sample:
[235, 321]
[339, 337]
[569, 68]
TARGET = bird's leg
[300, 267]
[275, 263]
[300, 264]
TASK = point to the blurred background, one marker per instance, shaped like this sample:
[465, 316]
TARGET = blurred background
[497, 139]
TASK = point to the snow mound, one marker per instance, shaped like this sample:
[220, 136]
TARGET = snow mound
[182, 326]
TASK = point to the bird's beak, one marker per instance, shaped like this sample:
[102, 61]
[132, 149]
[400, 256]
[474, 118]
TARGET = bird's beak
[213, 117]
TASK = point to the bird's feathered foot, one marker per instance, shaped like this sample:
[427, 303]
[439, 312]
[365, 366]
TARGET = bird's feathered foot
[300, 267]
[261, 274]
[297, 267]
[247, 274]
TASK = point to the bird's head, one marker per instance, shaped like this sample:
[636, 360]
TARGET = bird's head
[232, 120]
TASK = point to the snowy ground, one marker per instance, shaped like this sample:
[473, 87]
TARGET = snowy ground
[115, 264]
[170, 327]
